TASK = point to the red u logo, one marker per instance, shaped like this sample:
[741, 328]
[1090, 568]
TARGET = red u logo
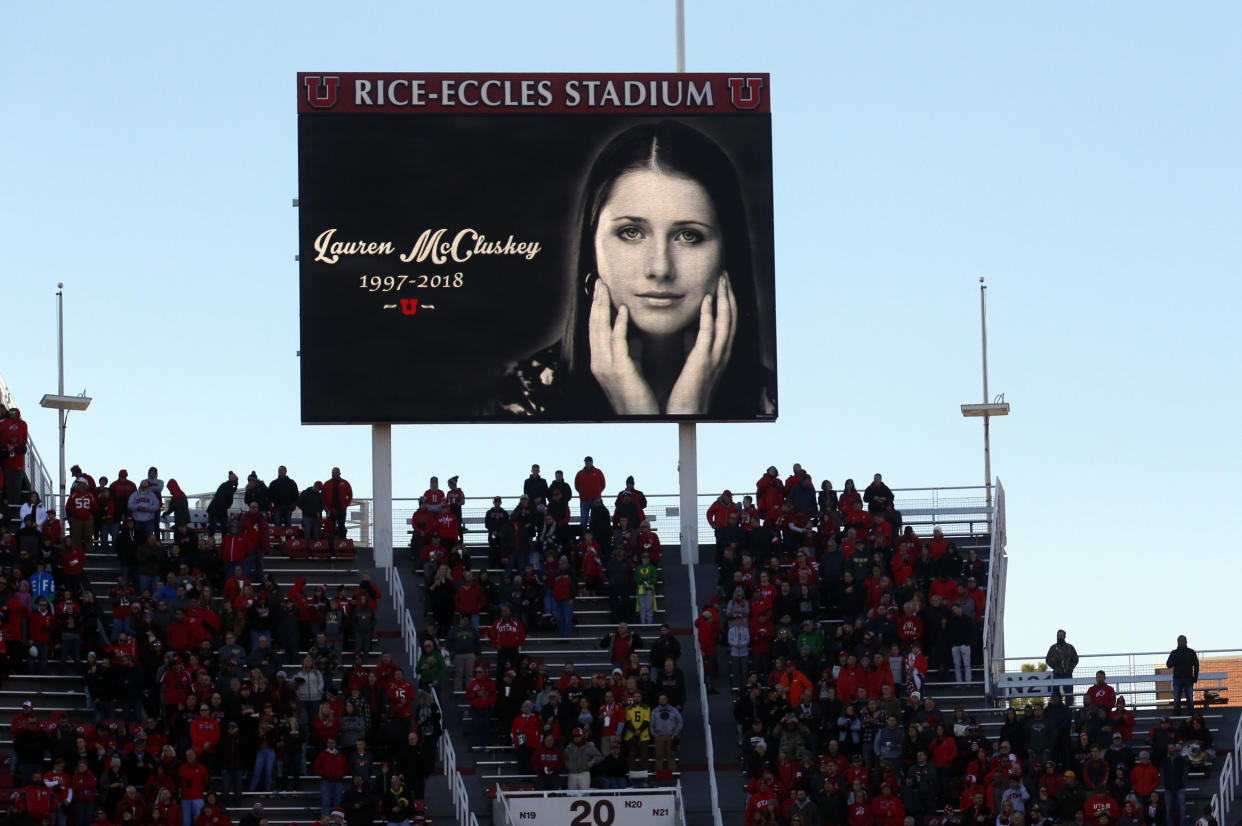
[745, 92]
[321, 91]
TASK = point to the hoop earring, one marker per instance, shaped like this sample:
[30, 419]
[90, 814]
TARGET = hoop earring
[588, 284]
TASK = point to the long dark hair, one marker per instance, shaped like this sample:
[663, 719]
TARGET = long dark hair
[672, 147]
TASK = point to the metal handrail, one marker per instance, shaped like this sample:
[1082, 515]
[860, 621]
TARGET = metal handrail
[707, 722]
[1040, 657]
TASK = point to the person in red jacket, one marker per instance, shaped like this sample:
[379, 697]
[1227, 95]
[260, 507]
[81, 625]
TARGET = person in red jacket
[212, 814]
[257, 529]
[611, 718]
[447, 527]
[192, 778]
[548, 763]
[122, 489]
[13, 446]
[204, 731]
[525, 732]
[592, 568]
[41, 628]
[770, 491]
[718, 513]
[481, 695]
[331, 766]
[508, 634]
[235, 547]
[1144, 777]
[80, 508]
[469, 599]
[563, 588]
[85, 787]
[434, 497]
[338, 495]
[589, 482]
[707, 629]
[1102, 695]
[648, 542]
[73, 566]
[1100, 803]
[131, 802]
[36, 800]
[175, 682]
[886, 809]
[762, 799]
[400, 696]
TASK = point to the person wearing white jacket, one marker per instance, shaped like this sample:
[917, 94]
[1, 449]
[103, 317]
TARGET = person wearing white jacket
[739, 650]
[144, 506]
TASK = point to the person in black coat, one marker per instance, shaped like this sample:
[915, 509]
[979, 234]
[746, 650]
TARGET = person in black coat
[415, 761]
[1185, 665]
[283, 492]
[360, 803]
[665, 647]
[218, 508]
[310, 503]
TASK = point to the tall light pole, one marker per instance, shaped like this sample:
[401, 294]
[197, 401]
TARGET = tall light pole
[60, 402]
[988, 409]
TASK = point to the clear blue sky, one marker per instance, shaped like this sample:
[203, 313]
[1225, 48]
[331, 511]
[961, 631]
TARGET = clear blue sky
[1084, 157]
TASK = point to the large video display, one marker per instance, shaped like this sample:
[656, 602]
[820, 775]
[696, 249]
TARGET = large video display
[543, 248]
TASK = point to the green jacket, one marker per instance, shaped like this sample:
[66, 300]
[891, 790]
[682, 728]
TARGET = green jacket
[431, 667]
[645, 577]
[813, 640]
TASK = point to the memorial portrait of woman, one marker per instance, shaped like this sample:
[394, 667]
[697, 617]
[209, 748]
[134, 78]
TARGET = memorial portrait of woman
[663, 318]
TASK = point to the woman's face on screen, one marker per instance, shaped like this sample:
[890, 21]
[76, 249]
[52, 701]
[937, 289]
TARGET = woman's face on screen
[658, 248]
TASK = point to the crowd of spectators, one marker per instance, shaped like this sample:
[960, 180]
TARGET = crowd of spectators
[204, 677]
[568, 729]
[833, 614]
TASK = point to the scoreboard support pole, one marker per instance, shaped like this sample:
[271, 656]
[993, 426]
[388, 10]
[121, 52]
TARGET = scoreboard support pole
[381, 488]
[688, 487]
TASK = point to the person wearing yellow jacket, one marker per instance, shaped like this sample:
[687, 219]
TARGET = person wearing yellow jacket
[638, 733]
[646, 574]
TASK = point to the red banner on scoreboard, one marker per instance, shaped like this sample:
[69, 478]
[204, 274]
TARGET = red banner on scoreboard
[593, 94]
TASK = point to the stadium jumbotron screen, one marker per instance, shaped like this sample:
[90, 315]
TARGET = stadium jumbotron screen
[544, 248]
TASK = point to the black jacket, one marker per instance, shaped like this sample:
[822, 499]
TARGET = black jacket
[310, 502]
[1185, 664]
[283, 492]
[662, 649]
[223, 500]
[259, 494]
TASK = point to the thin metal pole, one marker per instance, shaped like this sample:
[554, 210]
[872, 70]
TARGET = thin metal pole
[987, 439]
[681, 35]
[60, 387]
[381, 487]
[688, 482]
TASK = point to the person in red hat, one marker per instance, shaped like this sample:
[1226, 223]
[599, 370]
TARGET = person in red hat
[581, 755]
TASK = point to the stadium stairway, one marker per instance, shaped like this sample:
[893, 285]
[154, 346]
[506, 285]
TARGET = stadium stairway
[66, 692]
[497, 764]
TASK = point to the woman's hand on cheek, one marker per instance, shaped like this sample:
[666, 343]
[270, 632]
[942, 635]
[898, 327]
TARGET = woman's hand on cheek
[710, 355]
[611, 364]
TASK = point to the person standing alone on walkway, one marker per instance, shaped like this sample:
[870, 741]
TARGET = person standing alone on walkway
[1062, 658]
[1185, 665]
